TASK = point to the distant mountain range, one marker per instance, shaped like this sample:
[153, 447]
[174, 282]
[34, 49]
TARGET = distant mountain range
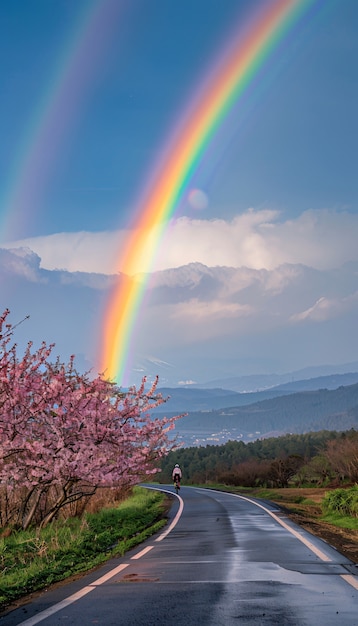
[316, 377]
[216, 415]
[193, 398]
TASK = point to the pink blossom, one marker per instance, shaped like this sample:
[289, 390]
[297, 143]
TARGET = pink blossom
[63, 434]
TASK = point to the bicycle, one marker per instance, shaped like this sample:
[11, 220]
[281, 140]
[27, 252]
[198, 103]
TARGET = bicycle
[176, 484]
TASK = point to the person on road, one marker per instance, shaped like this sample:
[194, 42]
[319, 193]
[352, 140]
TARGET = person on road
[176, 474]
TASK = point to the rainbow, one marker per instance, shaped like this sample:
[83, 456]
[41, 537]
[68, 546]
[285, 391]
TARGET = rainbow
[226, 84]
[55, 113]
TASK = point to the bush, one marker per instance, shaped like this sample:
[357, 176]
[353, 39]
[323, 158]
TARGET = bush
[342, 501]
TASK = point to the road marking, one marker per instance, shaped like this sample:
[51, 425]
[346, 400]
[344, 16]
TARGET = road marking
[109, 575]
[142, 553]
[307, 542]
[71, 599]
[56, 607]
[178, 515]
[175, 520]
[351, 580]
[83, 592]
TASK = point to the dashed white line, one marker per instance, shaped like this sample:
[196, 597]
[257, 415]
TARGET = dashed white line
[71, 599]
[142, 553]
[109, 575]
[351, 580]
[57, 607]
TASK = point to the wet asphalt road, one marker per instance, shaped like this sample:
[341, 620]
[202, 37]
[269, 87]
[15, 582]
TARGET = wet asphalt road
[222, 560]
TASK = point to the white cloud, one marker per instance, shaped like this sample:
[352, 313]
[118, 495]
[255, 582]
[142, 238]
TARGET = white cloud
[21, 262]
[195, 311]
[321, 239]
[255, 239]
[292, 315]
[76, 252]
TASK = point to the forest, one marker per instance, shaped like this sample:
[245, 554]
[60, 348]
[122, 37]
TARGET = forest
[315, 458]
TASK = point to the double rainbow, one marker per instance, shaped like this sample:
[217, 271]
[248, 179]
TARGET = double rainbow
[33, 163]
[234, 74]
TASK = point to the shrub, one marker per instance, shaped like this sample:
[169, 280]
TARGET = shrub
[342, 501]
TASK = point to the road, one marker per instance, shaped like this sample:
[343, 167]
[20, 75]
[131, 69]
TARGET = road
[221, 560]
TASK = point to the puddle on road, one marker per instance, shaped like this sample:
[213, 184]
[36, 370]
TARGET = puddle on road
[135, 578]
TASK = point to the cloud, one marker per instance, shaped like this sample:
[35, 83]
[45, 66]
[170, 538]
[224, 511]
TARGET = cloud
[76, 252]
[262, 239]
[198, 311]
[195, 317]
[244, 304]
[21, 262]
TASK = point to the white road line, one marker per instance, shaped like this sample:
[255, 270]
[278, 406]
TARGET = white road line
[351, 580]
[174, 522]
[321, 555]
[178, 515]
[71, 599]
[142, 553]
[109, 575]
[56, 607]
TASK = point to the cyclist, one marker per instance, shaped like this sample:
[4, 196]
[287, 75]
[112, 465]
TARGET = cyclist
[176, 475]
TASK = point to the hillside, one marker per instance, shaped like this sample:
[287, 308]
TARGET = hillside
[184, 399]
[301, 412]
[319, 377]
[332, 381]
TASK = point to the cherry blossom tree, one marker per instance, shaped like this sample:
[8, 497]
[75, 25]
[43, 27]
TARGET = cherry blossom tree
[63, 434]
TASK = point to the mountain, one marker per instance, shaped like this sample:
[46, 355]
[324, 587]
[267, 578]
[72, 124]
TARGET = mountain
[323, 409]
[192, 398]
[322, 376]
[332, 381]
[188, 399]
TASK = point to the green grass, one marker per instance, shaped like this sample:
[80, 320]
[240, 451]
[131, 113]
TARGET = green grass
[341, 521]
[31, 560]
[342, 501]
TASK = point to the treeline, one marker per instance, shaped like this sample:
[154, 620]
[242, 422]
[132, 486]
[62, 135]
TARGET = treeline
[320, 458]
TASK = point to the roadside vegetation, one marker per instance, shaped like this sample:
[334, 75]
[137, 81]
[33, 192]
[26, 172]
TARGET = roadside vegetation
[33, 559]
[342, 504]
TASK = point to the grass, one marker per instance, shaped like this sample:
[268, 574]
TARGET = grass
[341, 521]
[31, 560]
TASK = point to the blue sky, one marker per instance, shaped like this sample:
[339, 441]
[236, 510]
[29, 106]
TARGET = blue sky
[280, 181]
[293, 142]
